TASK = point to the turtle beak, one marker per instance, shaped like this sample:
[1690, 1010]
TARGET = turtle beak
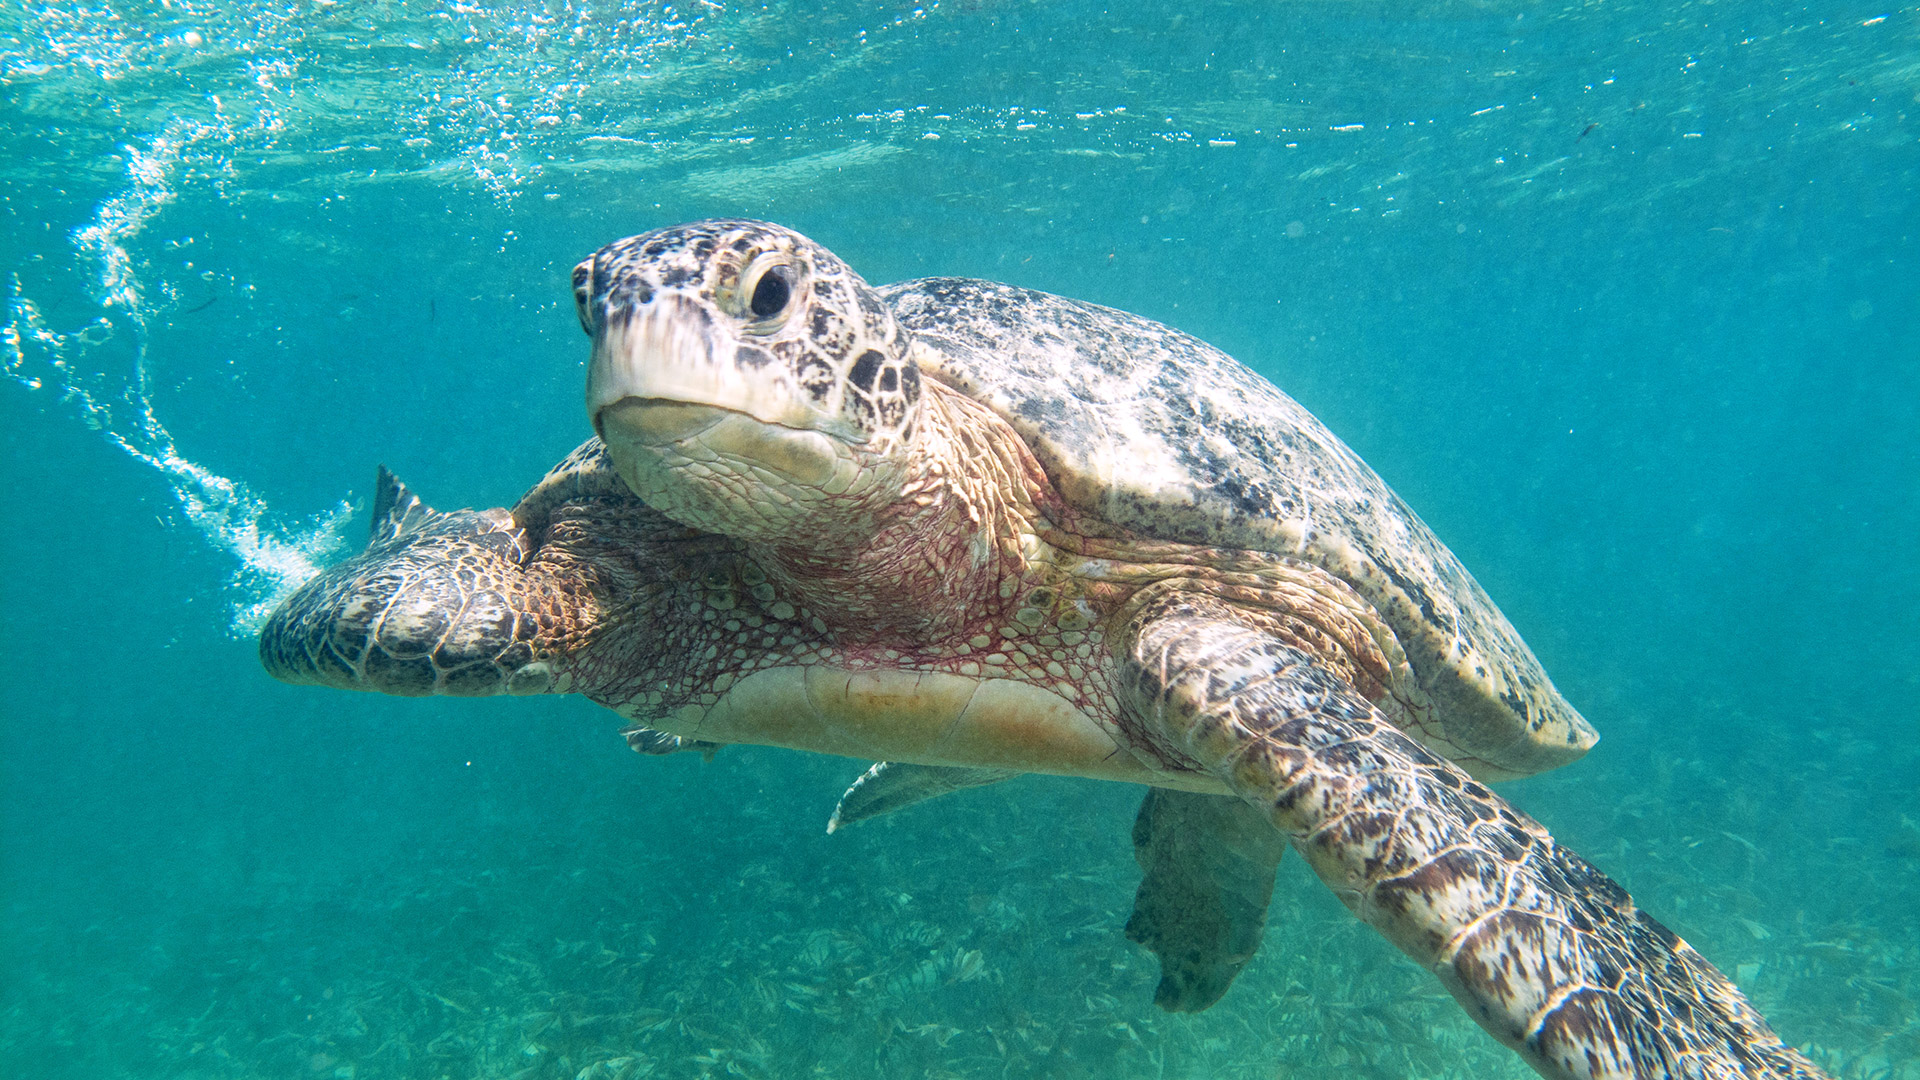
[711, 441]
[674, 351]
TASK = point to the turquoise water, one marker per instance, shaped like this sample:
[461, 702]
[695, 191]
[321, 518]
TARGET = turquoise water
[1621, 297]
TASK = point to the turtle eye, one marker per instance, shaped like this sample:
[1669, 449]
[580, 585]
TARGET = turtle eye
[771, 294]
[583, 292]
[765, 292]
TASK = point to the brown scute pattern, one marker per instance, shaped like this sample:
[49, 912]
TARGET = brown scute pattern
[1544, 951]
[1153, 430]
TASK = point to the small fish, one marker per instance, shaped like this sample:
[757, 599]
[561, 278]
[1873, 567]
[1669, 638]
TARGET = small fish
[1588, 130]
[202, 306]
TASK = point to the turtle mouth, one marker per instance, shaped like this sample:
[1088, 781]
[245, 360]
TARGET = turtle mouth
[718, 468]
[655, 421]
[717, 432]
[675, 352]
[661, 435]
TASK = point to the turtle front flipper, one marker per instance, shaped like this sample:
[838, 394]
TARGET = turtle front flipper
[438, 603]
[1207, 865]
[1547, 953]
[467, 603]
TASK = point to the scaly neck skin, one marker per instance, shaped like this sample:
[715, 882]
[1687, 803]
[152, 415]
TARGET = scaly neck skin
[944, 558]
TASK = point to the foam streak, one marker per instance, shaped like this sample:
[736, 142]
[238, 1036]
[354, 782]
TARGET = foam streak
[275, 557]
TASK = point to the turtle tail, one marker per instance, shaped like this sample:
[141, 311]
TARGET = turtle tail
[438, 603]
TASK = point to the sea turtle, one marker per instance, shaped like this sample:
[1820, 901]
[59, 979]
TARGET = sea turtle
[973, 530]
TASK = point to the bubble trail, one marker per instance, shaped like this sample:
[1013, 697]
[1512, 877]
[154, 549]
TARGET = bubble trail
[275, 556]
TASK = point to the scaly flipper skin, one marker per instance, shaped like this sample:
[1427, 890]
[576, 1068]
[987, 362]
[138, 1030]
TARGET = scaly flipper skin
[471, 603]
[1547, 953]
[436, 604]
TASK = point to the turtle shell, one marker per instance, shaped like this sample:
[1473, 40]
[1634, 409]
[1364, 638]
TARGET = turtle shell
[1159, 433]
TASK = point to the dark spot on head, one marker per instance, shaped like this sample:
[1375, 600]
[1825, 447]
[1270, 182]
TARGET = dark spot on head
[865, 369]
[748, 356]
[910, 383]
[816, 378]
[1247, 496]
[889, 381]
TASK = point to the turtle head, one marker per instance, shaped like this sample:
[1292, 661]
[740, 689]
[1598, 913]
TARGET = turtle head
[746, 381]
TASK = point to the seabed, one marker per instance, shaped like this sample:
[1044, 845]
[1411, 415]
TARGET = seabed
[976, 937]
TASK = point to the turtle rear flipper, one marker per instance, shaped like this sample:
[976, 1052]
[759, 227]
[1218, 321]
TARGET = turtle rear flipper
[1547, 953]
[656, 743]
[893, 785]
[1208, 863]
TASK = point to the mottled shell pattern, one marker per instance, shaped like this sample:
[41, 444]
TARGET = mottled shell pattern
[1156, 432]
[1136, 424]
